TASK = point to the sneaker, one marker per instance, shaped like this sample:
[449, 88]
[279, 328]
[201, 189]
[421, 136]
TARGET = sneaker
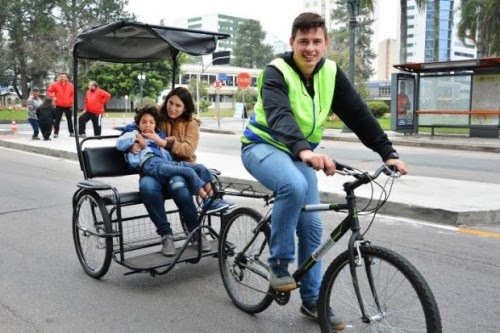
[216, 206]
[56, 136]
[280, 279]
[82, 135]
[46, 139]
[205, 243]
[310, 309]
[168, 248]
[35, 138]
[230, 204]
[72, 134]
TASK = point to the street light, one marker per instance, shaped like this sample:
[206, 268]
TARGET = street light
[203, 68]
[142, 78]
[126, 103]
[353, 6]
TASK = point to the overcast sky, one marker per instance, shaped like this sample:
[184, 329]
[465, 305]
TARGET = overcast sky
[276, 16]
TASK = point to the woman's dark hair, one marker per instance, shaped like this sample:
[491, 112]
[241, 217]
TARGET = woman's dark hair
[307, 21]
[186, 98]
[147, 109]
[47, 103]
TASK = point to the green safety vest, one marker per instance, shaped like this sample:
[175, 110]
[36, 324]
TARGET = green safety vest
[309, 113]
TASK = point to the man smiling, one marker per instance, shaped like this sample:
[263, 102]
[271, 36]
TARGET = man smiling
[296, 93]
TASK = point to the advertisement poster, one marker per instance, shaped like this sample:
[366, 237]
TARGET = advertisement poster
[405, 101]
[485, 97]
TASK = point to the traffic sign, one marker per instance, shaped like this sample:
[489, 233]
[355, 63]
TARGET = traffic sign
[217, 84]
[243, 80]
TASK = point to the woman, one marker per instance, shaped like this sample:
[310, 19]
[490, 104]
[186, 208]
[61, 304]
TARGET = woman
[183, 133]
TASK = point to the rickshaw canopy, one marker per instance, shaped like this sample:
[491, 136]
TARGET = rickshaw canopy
[130, 42]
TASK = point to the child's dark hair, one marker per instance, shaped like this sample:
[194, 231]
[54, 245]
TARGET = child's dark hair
[47, 103]
[307, 21]
[147, 109]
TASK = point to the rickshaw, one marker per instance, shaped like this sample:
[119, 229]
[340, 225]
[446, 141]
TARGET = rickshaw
[107, 224]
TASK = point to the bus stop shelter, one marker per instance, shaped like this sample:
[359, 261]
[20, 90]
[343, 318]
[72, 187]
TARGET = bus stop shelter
[447, 94]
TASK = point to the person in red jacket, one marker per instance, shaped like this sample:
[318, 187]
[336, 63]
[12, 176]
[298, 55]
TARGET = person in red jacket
[95, 98]
[62, 92]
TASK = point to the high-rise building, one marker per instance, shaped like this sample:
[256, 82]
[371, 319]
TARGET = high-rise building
[323, 8]
[387, 55]
[421, 33]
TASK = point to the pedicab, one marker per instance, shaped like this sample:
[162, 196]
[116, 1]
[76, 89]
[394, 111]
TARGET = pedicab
[109, 224]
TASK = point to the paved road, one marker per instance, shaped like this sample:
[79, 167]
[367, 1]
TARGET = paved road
[43, 288]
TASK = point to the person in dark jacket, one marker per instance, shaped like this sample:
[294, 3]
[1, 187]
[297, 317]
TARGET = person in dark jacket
[46, 114]
[296, 93]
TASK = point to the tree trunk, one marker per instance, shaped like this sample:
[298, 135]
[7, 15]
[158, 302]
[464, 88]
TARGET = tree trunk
[435, 45]
[403, 52]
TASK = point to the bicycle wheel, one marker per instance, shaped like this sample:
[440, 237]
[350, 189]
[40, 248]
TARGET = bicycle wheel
[398, 300]
[245, 274]
[89, 220]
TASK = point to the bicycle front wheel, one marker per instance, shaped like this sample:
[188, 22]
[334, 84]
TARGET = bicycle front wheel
[396, 298]
[243, 262]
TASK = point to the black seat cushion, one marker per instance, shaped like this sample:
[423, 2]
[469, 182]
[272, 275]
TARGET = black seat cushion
[105, 162]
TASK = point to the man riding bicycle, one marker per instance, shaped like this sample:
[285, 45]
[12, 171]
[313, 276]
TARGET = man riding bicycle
[296, 93]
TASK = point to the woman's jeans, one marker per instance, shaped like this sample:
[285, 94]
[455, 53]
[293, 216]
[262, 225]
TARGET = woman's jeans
[36, 127]
[295, 185]
[153, 194]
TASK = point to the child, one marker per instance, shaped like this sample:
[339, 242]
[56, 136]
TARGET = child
[45, 114]
[157, 162]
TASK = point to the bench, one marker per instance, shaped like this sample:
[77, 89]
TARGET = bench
[476, 130]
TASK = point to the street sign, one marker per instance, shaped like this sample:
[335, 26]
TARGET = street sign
[243, 80]
[217, 84]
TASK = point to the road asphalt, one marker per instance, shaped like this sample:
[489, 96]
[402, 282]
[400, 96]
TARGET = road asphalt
[410, 197]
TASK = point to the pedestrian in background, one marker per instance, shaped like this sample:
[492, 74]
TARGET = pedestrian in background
[62, 93]
[34, 102]
[95, 98]
[46, 115]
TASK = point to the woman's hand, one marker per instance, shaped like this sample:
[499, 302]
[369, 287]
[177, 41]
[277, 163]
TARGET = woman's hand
[318, 161]
[170, 138]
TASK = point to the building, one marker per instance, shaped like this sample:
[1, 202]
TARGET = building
[323, 8]
[9, 98]
[224, 73]
[387, 55]
[421, 33]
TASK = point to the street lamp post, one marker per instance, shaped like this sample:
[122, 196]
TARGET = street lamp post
[198, 76]
[142, 78]
[353, 7]
[126, 103]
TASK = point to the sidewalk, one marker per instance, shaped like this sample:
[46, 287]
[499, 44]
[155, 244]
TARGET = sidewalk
[410, 196]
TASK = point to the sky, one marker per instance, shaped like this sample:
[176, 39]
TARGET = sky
[275, 16]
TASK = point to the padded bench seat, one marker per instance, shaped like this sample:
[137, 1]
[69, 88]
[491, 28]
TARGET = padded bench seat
[126, 199]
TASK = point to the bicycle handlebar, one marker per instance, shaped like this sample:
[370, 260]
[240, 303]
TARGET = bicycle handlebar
[346, 170]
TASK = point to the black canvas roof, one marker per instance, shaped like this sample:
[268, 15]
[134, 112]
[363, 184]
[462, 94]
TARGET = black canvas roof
[126, 41]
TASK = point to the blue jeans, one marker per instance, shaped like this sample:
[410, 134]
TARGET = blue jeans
[153, 194]
[295, 185]
[36, 127]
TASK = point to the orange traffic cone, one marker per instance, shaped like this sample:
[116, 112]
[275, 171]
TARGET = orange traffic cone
[13, 127]
[113, 125]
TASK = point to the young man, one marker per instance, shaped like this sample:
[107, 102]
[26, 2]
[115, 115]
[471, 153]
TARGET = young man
[296, 94]
[95, 98]
[62, 93]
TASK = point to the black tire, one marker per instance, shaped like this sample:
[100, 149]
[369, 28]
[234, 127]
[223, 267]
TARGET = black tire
[405, 298]
[91, 218]
[248, 290]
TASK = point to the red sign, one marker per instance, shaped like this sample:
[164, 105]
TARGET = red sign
[217, 84]
[243, 80]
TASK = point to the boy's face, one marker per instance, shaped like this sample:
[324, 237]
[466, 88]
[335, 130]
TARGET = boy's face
[308, 46]
[147, 124]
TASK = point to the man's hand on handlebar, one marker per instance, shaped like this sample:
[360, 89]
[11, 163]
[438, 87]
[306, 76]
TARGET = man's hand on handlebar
[318, 161]
[400, 165]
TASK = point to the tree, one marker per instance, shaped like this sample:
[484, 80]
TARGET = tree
[250, 50]
[480, 21]
[403, 32]
[121, 79]
[75, 16]
[339, 43]
[202, 88]
[28, 50]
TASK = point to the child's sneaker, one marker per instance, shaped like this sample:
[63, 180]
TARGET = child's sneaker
[230, 204]
[216, 206]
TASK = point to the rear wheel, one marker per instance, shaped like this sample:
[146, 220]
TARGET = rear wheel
[244, 274]
[395, 296]
[90, 220]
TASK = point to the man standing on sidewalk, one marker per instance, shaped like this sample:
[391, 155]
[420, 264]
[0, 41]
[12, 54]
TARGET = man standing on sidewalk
[95, 98]
[62, 92]
[34, 101]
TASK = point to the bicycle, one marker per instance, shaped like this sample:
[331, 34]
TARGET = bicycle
[370, 287]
